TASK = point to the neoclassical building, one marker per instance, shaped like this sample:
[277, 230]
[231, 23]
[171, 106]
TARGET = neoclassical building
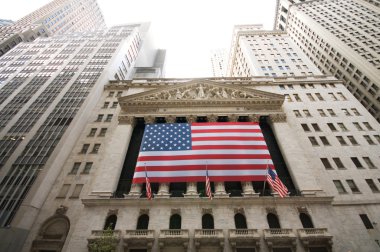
[324, 144]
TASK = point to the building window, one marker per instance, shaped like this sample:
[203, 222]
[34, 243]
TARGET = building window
[345, 111]
[313, 141]
[99, 118]
[342, 127]
[306, 221]
[297, 98]
[114, 104]
[95, 149]
[338, 163]
[369, 139]
[92, 132]
[84, 148]
[324, 140]
[357, 163]
[175, 221]
[109, 118]
[87, 168]
[75, 168]
[369, 163]
[102, 132]
[352, 140]
[331, 126]
[333, 97]
[64, 190]
[355, 111]
[341, 96]
[110, 222]
[207, 221]
[341, 140]
[307, 113]
[273, 221]
[77, 191]
[105, 105]
[297, 113]
[319, 96]
[357, 126]
[305, 127]
[367, 223]
[368, 126]
[111, 94]
[240, 221]
[315, 127]
[143, 222]
[326, 164]
[331, 112]
[321, 112]
[372, 185]
[352, 186]
[339, 186]
[311, 98]
[119, 93]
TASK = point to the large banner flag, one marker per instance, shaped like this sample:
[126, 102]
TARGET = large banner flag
[179, 152]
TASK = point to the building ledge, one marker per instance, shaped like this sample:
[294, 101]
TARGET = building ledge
[209, 237]
[172, 237]
[244, 237]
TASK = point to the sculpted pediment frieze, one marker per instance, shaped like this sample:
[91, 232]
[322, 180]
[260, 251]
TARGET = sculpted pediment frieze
[199, 93]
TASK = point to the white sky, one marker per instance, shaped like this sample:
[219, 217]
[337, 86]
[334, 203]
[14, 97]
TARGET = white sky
[188, 29]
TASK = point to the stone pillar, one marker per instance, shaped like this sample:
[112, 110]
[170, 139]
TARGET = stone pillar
[191, 190]
[303, 178]
[233, 118]
[220, 190]
[135, 191]
[109, 169]
[248, 190]
[254, 118]
[163, 191]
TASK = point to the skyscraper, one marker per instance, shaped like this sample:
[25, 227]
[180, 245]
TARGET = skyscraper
[342, 39]
[47, 88]
[56, 17]
[219, 62]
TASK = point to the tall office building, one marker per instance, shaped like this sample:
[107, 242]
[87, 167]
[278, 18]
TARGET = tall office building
[342, 39]
[47, 89]
[219, 62]
[57, 17]
[267, 53]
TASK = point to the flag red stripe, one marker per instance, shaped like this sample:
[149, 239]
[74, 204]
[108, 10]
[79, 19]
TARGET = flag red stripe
[200, 178]
[208, 156]
[225, 130]
[236, 138]
[201, 167]
[224, 123]
[231, 147]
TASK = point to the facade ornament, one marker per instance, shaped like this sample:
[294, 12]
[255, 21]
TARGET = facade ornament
[112, 212]
[61, 210]
[271, 210]
[149, 119]
[254, 118]
[239, 210]
[144, 211]
[206, 211]
[233, 118]
[279, 117]
[170, 119]
[212, 118]
[123, 119]
[191, 119]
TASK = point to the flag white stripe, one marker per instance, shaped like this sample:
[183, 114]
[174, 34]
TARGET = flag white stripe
[198, 143]
[201, 152]
[200, 173]
[211, 127]
[203, 162]
[223, 134]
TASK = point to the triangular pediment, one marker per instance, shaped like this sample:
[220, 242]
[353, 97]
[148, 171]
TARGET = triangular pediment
[200, 93]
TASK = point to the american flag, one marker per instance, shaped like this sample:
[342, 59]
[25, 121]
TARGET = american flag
[208, 186]
[276, 183]
[147, 187]
[178, 152]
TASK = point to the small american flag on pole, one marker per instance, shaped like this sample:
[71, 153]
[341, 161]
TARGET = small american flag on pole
[147, 186]
[276, 183]
[208, 186]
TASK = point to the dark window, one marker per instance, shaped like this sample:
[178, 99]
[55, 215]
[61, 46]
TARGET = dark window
[99, 118]
[240, 221]
[143, 222]
[110, 222]
[282, 250]
[367, 223]
[306, 221]
[95, 149]
[326, 163]
[357, 163]
[372, 185]
[84, 148]
[273, 221]
[102, 132]
[92, 132]
[207, 221]
[87, 168]
[175, 221]
[75, 168]
[109, 118]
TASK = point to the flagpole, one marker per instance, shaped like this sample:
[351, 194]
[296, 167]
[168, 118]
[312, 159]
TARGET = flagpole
[147, 184]
[208, 186]
[266, 174]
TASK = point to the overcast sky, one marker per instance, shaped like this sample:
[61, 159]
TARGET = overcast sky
[188, 29]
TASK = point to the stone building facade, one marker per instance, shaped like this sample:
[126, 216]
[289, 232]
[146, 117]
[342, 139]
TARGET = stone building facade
[323, 142]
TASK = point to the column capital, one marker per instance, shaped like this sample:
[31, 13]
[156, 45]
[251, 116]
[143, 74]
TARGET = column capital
[233, 118]
[254, 118]
[191, 118]
[279, 117]
[212, 118]
[149, 119]
[124, 119]
[170, 119]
